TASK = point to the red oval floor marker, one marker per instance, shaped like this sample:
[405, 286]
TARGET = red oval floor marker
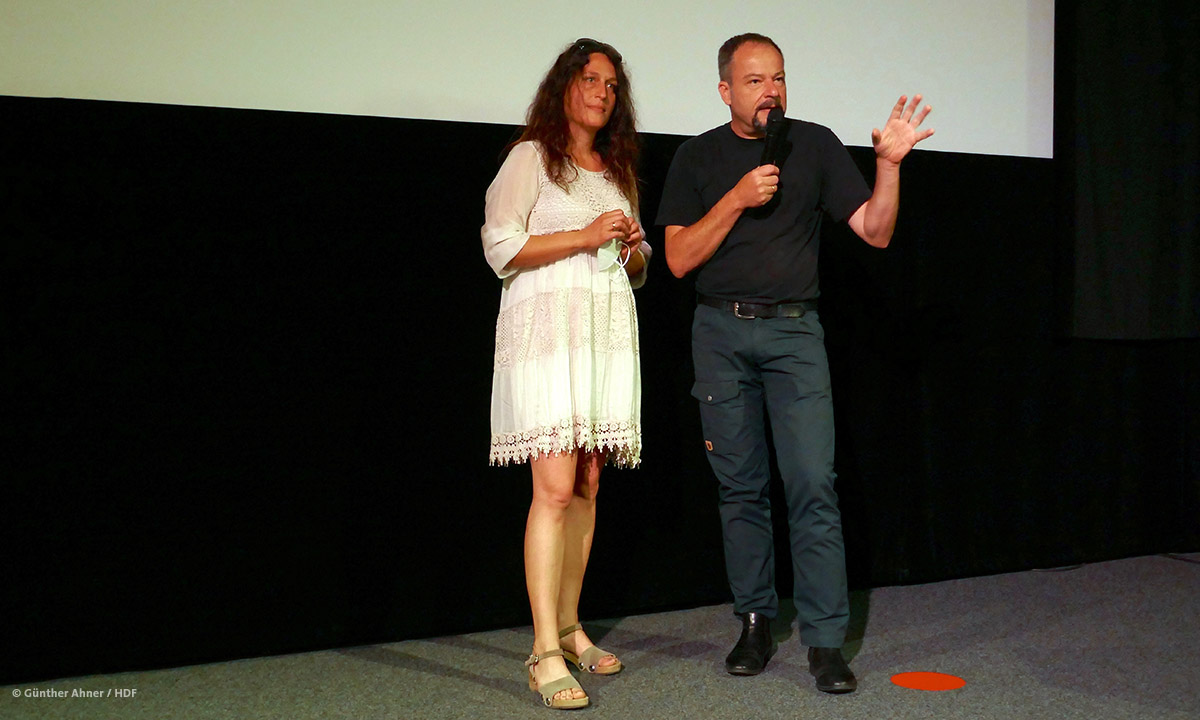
[928, 681]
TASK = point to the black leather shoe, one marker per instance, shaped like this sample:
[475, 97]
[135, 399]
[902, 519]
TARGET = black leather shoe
[754, 648]
[831, 671]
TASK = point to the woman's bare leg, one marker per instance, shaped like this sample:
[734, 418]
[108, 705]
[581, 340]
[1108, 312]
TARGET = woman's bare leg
[545, 539]
[580, 528]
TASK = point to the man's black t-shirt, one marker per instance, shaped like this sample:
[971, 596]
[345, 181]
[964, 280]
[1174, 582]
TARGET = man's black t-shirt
[770, 255]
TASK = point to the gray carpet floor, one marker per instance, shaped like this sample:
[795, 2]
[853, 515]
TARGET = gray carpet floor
[1117, 639]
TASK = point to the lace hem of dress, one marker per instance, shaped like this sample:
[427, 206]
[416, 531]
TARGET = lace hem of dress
[621, 438]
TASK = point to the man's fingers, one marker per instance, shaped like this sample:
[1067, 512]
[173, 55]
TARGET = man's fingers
[912, 107]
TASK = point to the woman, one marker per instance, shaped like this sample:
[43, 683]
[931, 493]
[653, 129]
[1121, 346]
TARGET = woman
[560, 230]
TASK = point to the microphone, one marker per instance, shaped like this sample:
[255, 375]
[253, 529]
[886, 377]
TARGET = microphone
[774, 143]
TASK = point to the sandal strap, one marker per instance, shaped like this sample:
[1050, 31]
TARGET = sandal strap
[592, 657]
[536, 658]
[554, 687]
[568, 630]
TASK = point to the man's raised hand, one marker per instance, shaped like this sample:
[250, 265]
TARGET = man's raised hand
[902, 130]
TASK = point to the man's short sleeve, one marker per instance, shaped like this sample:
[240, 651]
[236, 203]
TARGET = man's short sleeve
[681, 203]
[843, 189]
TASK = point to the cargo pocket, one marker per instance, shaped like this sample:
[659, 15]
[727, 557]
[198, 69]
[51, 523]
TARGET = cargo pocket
[710, 393]
[720, 412]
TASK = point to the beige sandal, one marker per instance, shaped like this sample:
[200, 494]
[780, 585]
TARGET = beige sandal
[589, 660]
[552, 688]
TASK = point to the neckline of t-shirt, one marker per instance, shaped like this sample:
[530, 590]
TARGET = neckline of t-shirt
[729, 129]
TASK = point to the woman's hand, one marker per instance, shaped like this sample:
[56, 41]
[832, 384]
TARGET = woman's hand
[633, 240]
[612, 225]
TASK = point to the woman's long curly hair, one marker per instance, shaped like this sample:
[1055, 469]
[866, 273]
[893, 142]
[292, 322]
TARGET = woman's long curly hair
[546, 121]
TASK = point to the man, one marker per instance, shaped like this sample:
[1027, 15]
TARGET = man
[752, 233]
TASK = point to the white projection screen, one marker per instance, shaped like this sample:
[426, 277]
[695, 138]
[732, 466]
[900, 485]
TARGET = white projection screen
[987, 66]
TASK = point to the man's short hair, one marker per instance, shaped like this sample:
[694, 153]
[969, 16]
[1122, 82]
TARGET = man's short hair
[725, 54]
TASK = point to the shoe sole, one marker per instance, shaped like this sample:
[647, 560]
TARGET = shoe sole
[741, 672]
[837, 689]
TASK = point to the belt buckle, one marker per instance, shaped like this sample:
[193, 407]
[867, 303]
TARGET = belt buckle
[737, 312]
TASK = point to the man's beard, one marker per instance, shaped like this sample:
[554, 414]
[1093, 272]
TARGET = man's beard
[760, 126]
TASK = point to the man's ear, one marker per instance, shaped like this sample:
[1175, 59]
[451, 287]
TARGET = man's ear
[723, 88]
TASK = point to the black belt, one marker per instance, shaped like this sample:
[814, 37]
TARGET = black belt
[760, 310]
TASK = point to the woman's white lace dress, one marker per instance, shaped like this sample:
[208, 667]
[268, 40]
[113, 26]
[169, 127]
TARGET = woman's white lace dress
[566, 373]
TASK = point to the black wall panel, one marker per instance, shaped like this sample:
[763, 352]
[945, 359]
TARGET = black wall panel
[247, 364]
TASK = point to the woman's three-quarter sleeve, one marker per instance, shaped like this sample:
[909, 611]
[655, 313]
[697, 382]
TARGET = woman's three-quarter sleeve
[636, 281]
[509, 200]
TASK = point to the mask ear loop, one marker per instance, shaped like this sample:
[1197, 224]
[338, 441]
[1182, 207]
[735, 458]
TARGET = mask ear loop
[628, 253]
